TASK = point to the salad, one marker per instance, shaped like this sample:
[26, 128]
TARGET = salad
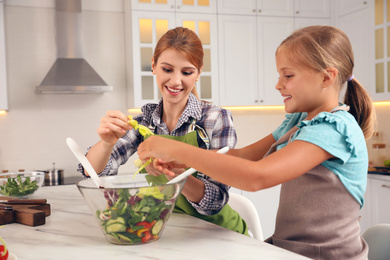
[15, 187]
[138, 218]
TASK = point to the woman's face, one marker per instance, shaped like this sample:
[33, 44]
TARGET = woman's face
[301, 88]
[175, 76]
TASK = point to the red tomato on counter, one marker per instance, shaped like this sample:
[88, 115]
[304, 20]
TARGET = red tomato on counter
[3, 255]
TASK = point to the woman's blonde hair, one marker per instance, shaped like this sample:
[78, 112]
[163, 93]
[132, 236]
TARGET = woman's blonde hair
[184, 41]
[320, 47]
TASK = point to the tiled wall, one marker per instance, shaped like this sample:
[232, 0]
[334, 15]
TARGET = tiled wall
[33, 132]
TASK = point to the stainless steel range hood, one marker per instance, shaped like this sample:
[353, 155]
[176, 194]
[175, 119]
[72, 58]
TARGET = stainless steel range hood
[70, 73]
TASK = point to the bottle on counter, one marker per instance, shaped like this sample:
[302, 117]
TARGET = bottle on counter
[378, 154]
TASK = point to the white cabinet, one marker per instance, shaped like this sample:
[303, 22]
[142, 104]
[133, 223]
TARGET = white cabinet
[376, 209]
[358, 23]
[205, 26]
[271, 32]
[257, 7]
[249, 33]
[380, 194]
[238, 70]
[147, 28]
[365, 212]
[3, 74]
[344, 7]
[310, 8]
[188, 6]
[144, 29]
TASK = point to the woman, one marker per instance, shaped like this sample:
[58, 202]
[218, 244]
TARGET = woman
[180, 115]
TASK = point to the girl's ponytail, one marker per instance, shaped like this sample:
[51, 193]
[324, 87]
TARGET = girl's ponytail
[361, 107]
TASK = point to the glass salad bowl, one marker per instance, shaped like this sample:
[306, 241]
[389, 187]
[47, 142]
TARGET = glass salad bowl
[131, 210]
[21, 184]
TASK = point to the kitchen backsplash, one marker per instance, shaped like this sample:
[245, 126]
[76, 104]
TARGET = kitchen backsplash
[33, 132]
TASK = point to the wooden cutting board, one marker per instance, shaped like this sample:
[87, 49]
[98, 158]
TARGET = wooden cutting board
[27, 212]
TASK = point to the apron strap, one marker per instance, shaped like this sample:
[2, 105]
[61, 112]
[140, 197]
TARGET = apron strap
[192, 127]
[201, 132]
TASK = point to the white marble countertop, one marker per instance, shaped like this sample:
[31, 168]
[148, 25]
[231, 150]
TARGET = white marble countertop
[379, 177]
[71, 232]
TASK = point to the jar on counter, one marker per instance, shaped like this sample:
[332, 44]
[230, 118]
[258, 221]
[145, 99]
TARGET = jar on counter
[378, 154]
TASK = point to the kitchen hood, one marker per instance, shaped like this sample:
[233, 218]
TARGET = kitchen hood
[70, 73]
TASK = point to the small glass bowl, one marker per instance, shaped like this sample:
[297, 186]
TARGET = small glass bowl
[132, 211]
[31, 181]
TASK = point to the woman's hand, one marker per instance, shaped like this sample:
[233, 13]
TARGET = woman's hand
[113, 126]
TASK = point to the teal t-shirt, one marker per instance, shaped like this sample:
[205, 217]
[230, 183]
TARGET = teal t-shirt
[339, 134]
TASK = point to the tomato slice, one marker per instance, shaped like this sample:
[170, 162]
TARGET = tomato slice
[148, 236]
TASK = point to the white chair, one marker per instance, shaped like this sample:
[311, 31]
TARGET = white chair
[378, 240]
[248, 212]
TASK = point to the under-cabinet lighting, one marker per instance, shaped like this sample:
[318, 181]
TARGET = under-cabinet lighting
[243, 108]
[134, 110]
[254, 107]
[381, 103]
[3, 112]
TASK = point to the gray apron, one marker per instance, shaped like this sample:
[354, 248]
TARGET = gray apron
[317, 216]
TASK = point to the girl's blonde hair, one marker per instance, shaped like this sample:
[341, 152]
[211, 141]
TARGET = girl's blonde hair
[321, 47]
[184, 41]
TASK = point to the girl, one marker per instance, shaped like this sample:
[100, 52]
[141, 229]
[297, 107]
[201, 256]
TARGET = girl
[180, 115]
[318, 153]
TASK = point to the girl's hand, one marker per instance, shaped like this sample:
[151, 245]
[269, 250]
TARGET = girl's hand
[159, 167]
[113, 126]
[160, 147]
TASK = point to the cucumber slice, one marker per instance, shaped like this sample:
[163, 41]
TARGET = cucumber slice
[119, 220]
[124, 238]
[157, 227]
[115, 227]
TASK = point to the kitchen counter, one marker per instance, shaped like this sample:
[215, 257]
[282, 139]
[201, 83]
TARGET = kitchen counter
[71, 232]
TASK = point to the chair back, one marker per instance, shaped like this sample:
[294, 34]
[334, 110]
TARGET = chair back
[378, 240]
[248, 212]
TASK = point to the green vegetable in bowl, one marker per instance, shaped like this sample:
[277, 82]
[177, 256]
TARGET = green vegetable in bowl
[133, 219]
[16, 187]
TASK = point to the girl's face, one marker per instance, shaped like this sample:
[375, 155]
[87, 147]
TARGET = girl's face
[302, 88]
[175, 76]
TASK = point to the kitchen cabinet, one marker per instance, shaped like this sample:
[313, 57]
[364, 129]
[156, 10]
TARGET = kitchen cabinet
[310, 8]
[376, 209]
[3, 69]
[143, 32]
[187, 6]
[257, 7]
[350, 6]
[256, 28]
[380, 192]
[238, 70]
[357, 22]
[381, 35]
